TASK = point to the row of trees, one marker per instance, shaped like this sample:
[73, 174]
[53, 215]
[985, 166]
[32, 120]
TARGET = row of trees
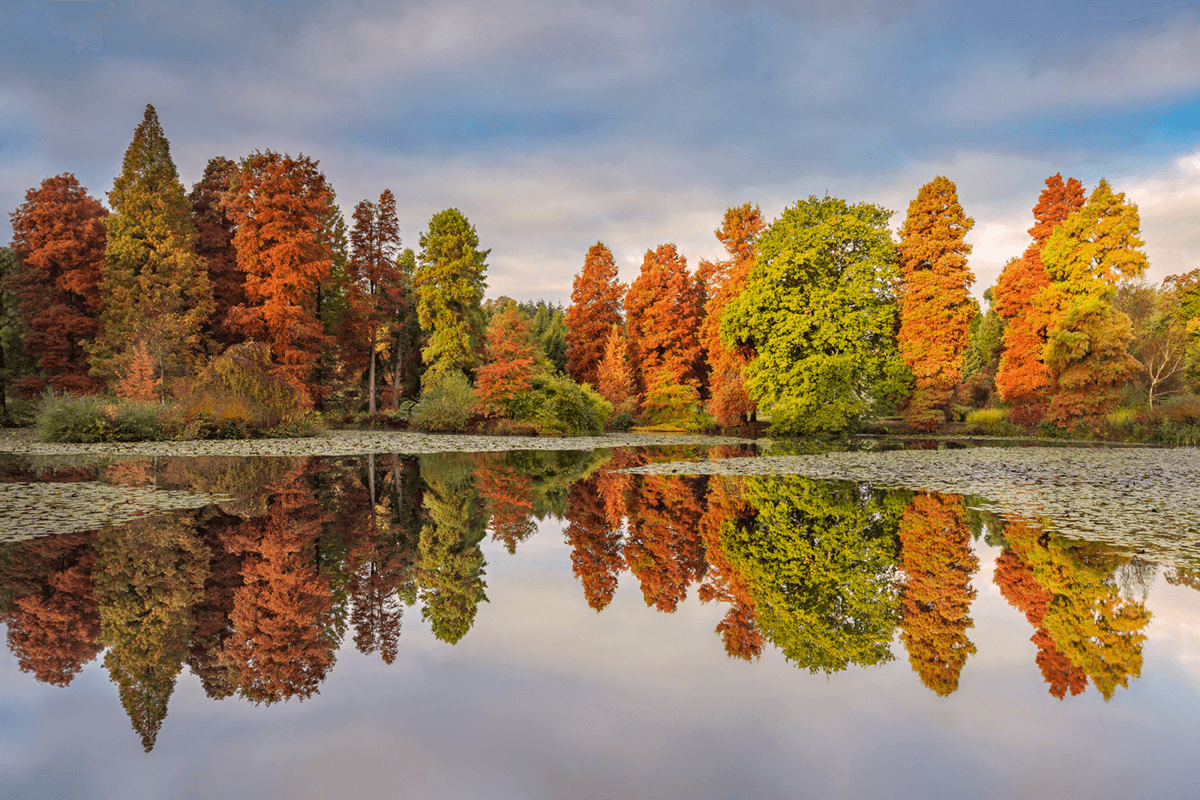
[256, 595]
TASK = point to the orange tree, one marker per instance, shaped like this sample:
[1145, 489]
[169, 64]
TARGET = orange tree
[595, 307]
[936, 307]
[663, 309]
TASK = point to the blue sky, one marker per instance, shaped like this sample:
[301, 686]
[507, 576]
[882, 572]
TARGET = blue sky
[556, 123]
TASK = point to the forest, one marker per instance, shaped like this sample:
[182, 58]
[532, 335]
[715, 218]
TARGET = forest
[249, 306]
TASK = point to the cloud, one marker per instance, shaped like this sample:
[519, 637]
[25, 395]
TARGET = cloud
[1128, 11]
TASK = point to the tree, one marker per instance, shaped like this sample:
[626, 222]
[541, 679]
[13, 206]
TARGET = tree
[594, 534]
[406, 335]
[1160, 336]
[819, 313]
[663, 547]
[137, 380]
[663, 309]
[510, 361]
[549, 331]
[154, 287]
[937, 562]
[613, 374]
[1087, 347]
[725, 509]
[723, 281]
[214, 243]
[596, 296]
[936, 307]
[449, 287]
[1022, 377]
[59, 241]
[377, 287]
[281, 206]
[15, 364]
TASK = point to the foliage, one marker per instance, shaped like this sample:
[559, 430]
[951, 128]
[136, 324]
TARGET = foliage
[72, 418]
[214, 244]
[282, 208]
[663, 309]
[154, 288]
[1160, 338]
[510, 361]
[596, 296]
[15, 363]
[447, 404]
[59, 240]
[818, 559]
[560, 406]
[549, 331]
[137, 381]
[819, 313]
[723, 281]
[1022, 377]
[449, 287]
[614, 375]
[936, 308]
[1087, 346]
[243, 384]
[669, 403]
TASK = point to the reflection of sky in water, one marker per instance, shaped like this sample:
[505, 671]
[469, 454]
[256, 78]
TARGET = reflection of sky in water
[545, 698]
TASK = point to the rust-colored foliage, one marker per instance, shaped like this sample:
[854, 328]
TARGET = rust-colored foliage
[936, 307]
[723, 281]
[59, 236]
[137, 381]
[739, 629]
[594, 533]
[282, 643]
[614, 375]
[510, 359]
[218, 530]
[595, 307]
[1022, 378]
[53, 618]
[377, 293]
[280, 204]
[663, 547]
[508, 500]
[663, 310]
[937, 562]
[214, 244]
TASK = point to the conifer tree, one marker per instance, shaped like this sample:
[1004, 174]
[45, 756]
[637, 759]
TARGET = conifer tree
[449, 288]
[1087, 347]
[596, 296]
[614, 375]
[935, 303]
[1022, 378]
[154, 287]
[376, 286]
[59, 240]
[215, 228]
[281, 206]
[723, 281]
[663, 307]
[510, 361]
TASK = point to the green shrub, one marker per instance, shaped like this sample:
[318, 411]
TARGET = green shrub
[447, 404]
[72, 418]
[135, 421]
[621, 421]
[1169, 432]
[991, 422]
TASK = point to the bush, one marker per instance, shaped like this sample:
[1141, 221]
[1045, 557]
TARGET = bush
[239, 386]
[72, 418]
[1181, 410]
[987, 416]
[1028, 416]
[991, 422]
[447, 404]
[621, 421]
[136, 421]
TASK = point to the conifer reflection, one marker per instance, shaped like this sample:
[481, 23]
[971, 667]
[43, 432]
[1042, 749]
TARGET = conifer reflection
[663, 547]
[726, 509]
[938, 562]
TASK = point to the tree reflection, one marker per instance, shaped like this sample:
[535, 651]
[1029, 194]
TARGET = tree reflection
[938, 562]
[725, 509]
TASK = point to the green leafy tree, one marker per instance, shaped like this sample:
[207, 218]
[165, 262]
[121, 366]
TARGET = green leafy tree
[449, 288]
[819, 563]
[1087, 350]
[154, 287]
[819, 312]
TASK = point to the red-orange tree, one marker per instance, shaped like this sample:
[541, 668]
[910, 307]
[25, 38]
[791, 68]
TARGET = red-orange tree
[663, 548]
[663, 310]
[595, 307]
[377, 292]
[935, 303]
[723, 281]
[614, 375]
[594, 535]
[214, 244]
[280, 205]
[510, 360]
[1022, 378]
[59, 237]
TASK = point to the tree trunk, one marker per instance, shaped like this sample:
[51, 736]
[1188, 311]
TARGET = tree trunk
[371, 381]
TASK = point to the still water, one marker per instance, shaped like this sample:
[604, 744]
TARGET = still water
[544, 625]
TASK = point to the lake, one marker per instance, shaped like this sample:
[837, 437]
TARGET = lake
[611, 623]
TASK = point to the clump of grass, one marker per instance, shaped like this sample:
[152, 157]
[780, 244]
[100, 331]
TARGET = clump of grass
[991, 422]
[987, 416]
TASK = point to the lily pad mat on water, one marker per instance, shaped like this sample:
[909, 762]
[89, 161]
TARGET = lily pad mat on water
[1144, 499]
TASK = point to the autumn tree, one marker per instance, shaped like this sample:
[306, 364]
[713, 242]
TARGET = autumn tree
[663, 547]
[449, 287]
[1087, 347]
[136, 381]
[594, 534]
[154, 287]
[377, 292]
[15, 363]
[663, 309]
[596, 297]
[723, 281]
[1160, 336]
[1022, 377]
[406, 339]
[510, 361]
[725, 509]
[614, 375]
[819, 313]
[59, 241]
[507, 496]
[936, 307]
[937, 562]
[214, 243]
[281, 206]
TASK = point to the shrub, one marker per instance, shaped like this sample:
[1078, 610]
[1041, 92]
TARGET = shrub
[447, 404]
[72, 418]
[1169, 432]
[1181, 410]
[134, 421]
[670, 404]
[621, 421]
[240, 385]
[991, 422]
[986, 416]
[1028, 416]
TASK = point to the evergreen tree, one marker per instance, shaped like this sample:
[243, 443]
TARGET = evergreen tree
[596, 296]
[664, 306]
[376, 283]
[154, 287]
[215, 228]
[449, 287]
[936, 307]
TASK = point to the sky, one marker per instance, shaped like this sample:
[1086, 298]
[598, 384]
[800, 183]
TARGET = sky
[554, 124]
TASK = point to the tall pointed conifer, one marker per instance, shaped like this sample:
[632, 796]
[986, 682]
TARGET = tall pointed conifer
[664, 306]
[154, 287]
[449, 288]
[936, 307]
[595, 307]
[376, 283]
